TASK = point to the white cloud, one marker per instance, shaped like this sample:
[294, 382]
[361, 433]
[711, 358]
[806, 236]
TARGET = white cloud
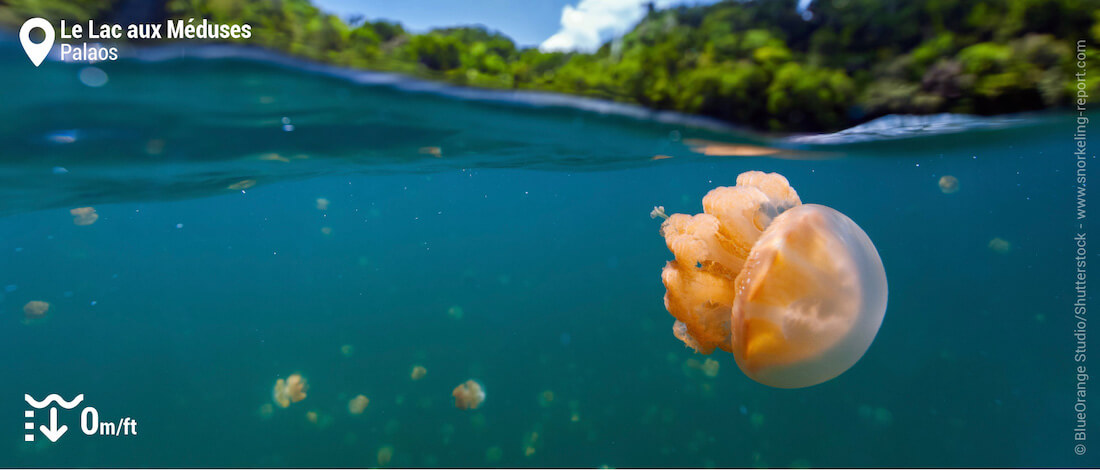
[592, 22]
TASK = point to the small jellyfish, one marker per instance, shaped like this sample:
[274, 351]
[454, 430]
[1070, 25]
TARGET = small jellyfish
[291, 390]
[358, 404]
[321, 420]
[1000, 245]
[530, 441]
[347, 350]
[326, 230]
[455, 312]
[433, 151]
[266, 411]
[546, 398]
[84, 215]
[494, 454]
[385, 454]
[418, 372]
[949, 184]
[322, 204]
[710, 368]
[468, 395]
[36, 309]
[795, 291]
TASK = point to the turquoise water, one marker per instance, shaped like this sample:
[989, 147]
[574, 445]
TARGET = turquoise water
[186, 300]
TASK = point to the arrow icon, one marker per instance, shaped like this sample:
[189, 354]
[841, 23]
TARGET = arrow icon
[53, 433]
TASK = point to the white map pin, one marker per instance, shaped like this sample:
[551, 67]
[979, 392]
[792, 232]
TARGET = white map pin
[36, 52]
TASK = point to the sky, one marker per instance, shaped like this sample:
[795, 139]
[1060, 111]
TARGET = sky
[550, 24]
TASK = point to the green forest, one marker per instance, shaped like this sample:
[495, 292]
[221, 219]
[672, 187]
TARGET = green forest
[757, 63]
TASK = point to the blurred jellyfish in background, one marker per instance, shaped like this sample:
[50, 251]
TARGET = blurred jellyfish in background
[949, 184]
[35, 310]
[418, 372]
[84, 215]
[266, 411]
[358, 404]
[1000, 245]
[468, 395]
[385, 454]
[291, 390]
[795, 291]
[709, 368]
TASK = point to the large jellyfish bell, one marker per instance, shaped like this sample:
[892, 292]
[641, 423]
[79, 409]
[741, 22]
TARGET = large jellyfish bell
[796, 292]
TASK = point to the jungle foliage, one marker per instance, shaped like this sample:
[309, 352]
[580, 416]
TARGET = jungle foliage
[759, 63]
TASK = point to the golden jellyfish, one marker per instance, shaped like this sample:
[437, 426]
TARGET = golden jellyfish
[322, 204]
[1000, 245]
[418, 372]
[949, 184]
[291, 390]
[795, 291]
[358, 404]
[385, 454]
[468, 395]
[709, 367]
[433, 151]
[84, 215]
[36, 309]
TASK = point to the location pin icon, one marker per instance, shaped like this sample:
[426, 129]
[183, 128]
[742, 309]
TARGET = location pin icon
[36, 52]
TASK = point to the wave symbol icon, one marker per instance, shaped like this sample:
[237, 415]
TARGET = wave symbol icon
[53, 397]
